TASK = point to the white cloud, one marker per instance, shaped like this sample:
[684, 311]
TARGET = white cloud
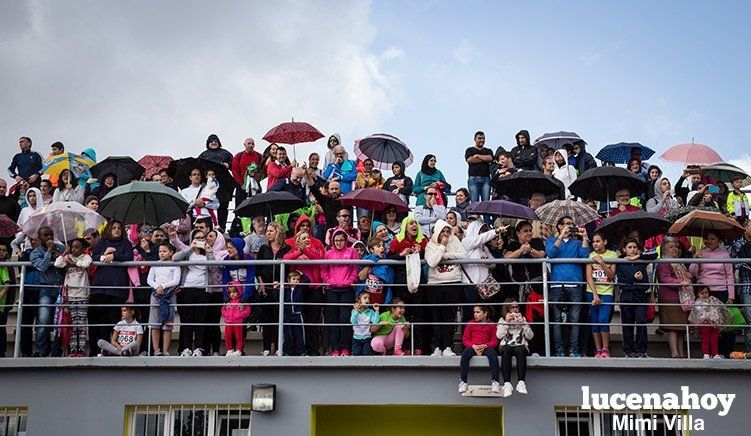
[590, 58]
[157, 78]
[465, 52]
[743, 162]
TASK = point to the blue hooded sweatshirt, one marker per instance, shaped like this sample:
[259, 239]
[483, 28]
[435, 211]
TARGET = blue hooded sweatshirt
[230, 272]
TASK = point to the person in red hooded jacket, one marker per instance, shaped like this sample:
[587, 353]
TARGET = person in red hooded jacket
[305, 246]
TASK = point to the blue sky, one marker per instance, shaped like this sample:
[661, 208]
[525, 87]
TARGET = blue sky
[146, 78]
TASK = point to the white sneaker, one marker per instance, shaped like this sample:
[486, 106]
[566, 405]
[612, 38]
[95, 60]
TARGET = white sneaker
[238, 353]
[718, 356]
[507, 390]
[266, 353]
[158, 353]
[215, 354]
[165, 353]
[448, 352]
[186, 353]
[198, 352]
[495, 387]
[436, 352]
[521, 387]
[463, 387]
[707, 356]
[230, 353]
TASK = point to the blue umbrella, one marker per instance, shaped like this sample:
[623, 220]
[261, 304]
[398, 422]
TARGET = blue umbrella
[556, 140]
[620, 153]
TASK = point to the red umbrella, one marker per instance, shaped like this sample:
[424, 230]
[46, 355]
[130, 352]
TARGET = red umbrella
[692, 154]
[293, 132]
[8, 227]
[373, 199]
[153, 164]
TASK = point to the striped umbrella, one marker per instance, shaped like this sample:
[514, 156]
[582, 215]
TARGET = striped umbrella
[383, 150]
[550, 213]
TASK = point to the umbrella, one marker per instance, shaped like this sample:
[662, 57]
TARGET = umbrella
[180, 170]
[124, 168]
[143, 203]
[692, 154]
[293, 133]
[675, 215]
[649, 225]
[522, 184]
[502, 208]
[550, 213]
[383, 150]
[8, 227]
[725, 172]
[373, 199]
[268, 204]
[68, 220]
[556, 140]
[602, 183]
[80, 166]
[698, 222]
[153, 164]
[621, 152]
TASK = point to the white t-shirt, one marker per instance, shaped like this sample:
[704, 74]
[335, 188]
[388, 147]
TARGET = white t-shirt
[127, 333]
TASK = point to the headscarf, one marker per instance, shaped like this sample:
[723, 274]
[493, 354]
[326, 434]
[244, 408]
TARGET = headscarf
[403, 231]
[425, 169]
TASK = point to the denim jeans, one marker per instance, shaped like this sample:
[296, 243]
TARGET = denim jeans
[479, 188]
[572, 294]
[47, 299]
[469, 353]
[361, 347]
[743, 295]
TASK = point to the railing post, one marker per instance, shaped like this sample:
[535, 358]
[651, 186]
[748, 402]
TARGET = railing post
[688, 343]
[19, 314]
[280, 333]
[546, 313]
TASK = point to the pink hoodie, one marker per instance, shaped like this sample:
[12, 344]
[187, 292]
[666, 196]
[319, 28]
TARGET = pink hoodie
[233, 312]
[340, 276]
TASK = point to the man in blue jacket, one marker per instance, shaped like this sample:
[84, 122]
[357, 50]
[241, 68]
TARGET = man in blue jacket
[566, 281]
[25, 166]
[50, 279]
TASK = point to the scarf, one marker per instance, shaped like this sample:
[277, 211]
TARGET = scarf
[403, 231]
[425, 169]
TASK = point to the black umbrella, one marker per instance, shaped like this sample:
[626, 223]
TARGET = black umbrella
[648, 224]
[557, 140]
[602, 183]
[180, 170]
[522, 184]
[143, 203]
[383, 150]
[269, 204]
[124, 168]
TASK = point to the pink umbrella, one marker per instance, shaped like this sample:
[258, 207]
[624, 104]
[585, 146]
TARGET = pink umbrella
[692, 154]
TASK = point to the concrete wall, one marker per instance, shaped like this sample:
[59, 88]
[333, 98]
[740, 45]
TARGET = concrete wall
[88, 396]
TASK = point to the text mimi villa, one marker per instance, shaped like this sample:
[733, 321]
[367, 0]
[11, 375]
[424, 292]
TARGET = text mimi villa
[686, 401]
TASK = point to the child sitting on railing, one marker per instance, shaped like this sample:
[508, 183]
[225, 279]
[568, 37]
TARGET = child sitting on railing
[126, 337]
[362, 318]
[708, 313]
[480, 339]
[513, 334]
[391, 330]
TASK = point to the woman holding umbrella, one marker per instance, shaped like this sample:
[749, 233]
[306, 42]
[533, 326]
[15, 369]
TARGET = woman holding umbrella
[429, 176]
[110, 285]
[269, 277]
[399, 183]
[68, 188]
[671, 278]
[719, 277]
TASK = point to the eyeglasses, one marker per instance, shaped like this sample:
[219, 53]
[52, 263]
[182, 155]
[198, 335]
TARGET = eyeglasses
[339, 154]
[345, 216]
[568, 223]
[430, 194]
[391, 211]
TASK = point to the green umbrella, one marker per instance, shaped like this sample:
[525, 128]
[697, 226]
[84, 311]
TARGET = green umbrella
[143, 203]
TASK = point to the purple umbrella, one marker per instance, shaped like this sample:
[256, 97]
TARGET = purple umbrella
[502, 208]
[373, 199]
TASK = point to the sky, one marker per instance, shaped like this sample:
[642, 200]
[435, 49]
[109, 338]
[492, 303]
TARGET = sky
[141, 77]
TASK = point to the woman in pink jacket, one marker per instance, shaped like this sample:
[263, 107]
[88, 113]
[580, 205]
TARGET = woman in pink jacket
[339, 280]
[720, 279]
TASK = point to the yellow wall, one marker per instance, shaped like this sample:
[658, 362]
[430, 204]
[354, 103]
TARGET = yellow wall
[407, 419]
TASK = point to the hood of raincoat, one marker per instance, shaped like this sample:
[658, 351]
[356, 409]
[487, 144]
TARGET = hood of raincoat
[90, 153]
[240, 288]
[211, 138]
[524, 133]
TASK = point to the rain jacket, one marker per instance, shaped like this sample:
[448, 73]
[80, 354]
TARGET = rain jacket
[435, 253]
[233, 273]
[565, 173]
[474, 243]
[240, 163]
[340, 276]
[658, 204]
[219, 155]
[346, 171]
[233, 312]
[584, 160]
[314, 252]
[30, 210]
[525, 157]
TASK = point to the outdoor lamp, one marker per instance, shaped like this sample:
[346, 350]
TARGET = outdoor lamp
[262, 397]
